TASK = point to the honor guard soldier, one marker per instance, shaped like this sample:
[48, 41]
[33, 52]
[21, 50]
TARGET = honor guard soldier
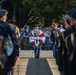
[69, 61]
[8, 47]
[61, 58]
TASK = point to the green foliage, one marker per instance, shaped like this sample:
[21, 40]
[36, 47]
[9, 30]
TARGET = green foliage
[43, 12]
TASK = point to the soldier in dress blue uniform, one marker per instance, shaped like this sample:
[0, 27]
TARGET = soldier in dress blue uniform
[62, 62]
[9, 49]
[69, 54]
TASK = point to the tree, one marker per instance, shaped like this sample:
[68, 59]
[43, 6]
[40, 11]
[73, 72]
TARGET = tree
[32, 11]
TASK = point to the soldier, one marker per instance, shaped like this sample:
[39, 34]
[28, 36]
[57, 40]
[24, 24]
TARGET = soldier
[61, 48]
[70, 54]
[70, 48]
[9, 48]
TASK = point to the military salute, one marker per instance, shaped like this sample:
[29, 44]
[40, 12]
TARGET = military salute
[66, 51]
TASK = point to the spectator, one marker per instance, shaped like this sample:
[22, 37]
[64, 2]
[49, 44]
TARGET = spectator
[37, 40]
[47, 34]
[55, 34]
[26, 38]
[61, 28]
[22, 34]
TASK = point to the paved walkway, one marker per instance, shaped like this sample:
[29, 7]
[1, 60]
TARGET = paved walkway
[30, 54]
[21, 67]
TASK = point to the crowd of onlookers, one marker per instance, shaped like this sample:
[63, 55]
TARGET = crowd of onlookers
[50, 33]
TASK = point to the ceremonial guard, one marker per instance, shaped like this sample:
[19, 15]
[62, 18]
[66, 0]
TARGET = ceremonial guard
[70, 51]
[8, 47]
[66, 47]
[70, 54]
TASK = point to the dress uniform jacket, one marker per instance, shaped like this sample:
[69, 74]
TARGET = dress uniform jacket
[7, 31]
[70, 54]
[61, 47]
